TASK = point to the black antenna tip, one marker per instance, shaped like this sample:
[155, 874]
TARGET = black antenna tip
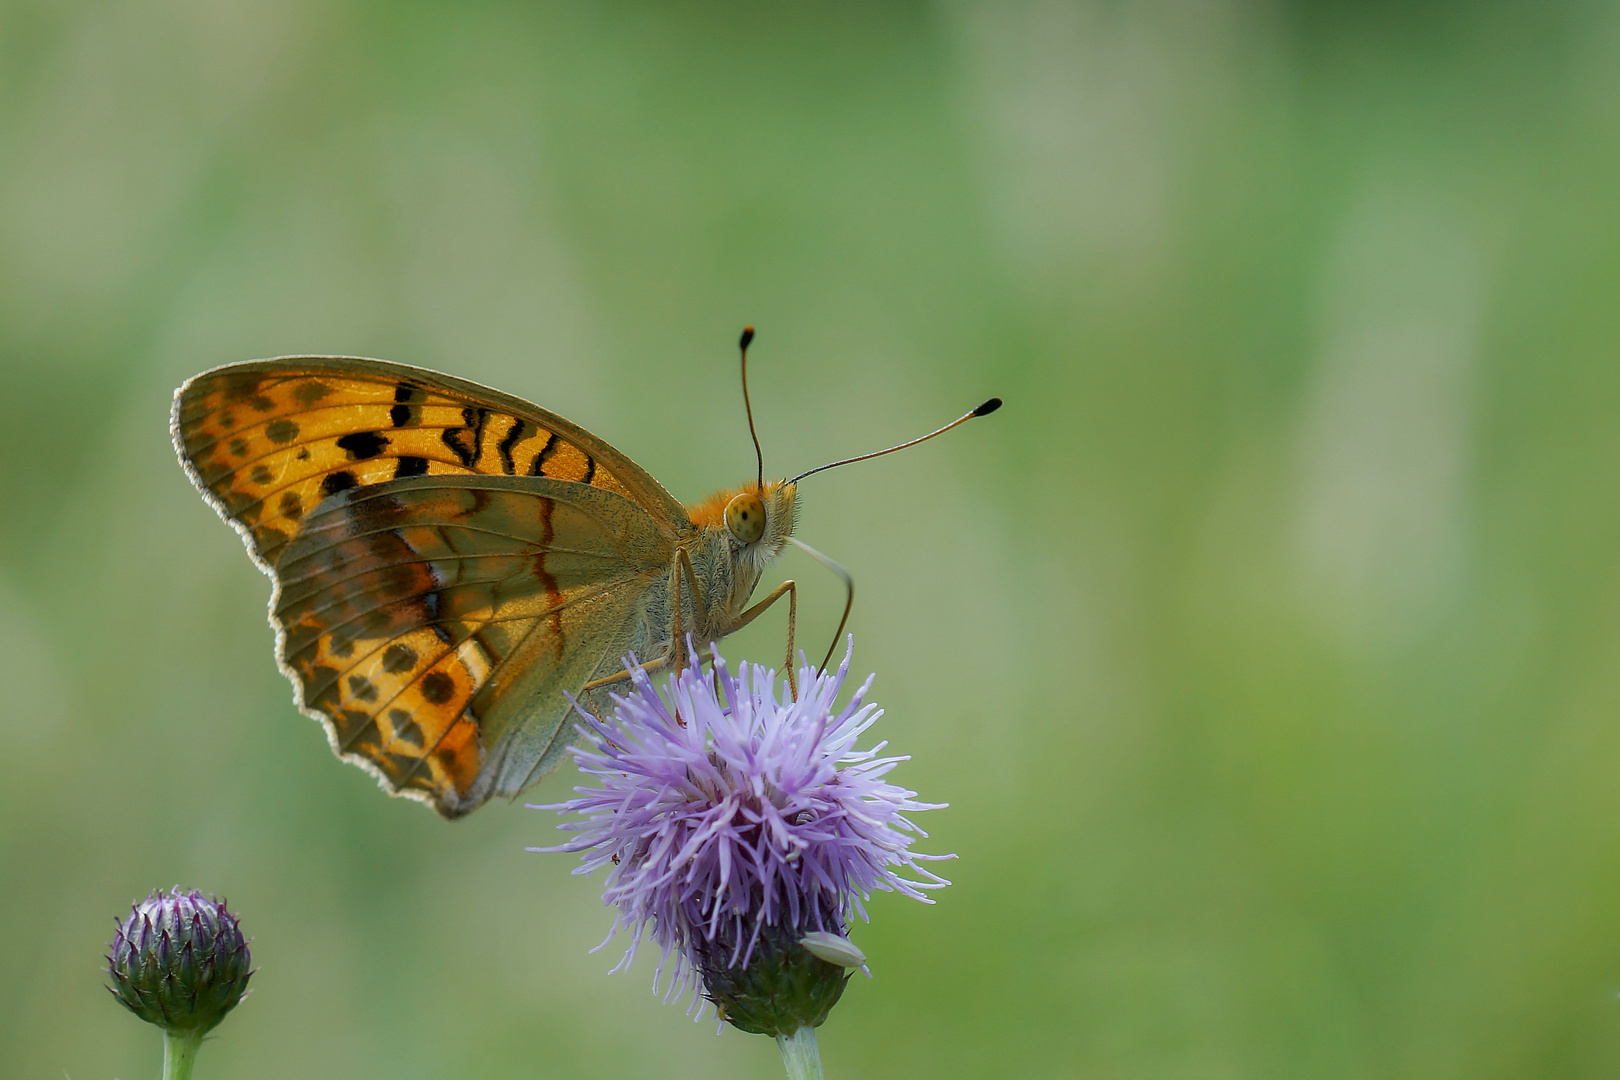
[988, 407]
[747, 336]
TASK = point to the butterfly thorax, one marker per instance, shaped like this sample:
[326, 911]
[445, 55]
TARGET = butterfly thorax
[727, 565]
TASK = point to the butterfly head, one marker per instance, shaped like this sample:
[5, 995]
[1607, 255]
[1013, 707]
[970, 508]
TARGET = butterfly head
[757, 520]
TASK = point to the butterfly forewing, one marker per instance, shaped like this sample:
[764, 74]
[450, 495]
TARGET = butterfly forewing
[269, 440]
[448, 560]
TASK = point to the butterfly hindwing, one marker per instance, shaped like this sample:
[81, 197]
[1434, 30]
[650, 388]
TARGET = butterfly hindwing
[414, 616]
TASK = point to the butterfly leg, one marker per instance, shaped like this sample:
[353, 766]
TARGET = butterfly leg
[651, 667]
[676, 657]
[682, 566]
[677, 645]
[791, 589]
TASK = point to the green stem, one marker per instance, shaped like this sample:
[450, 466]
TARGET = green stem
[800, 1055]
[180, 1053]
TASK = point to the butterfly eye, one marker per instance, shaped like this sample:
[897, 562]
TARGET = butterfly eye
[745, 517]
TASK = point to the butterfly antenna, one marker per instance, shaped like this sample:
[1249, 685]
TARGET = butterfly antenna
[983, 410]
[759, 456]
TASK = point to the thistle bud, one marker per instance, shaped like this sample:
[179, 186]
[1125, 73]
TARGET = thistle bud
[179, 961]
[781, 987]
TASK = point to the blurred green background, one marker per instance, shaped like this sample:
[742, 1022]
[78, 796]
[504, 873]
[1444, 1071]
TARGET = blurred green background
[1266, 645]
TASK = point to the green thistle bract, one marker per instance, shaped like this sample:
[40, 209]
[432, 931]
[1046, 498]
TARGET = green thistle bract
[179, 961]
[781, 988]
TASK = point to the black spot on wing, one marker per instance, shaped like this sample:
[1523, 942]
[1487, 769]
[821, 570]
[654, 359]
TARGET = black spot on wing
[405, 729]
[438, 688]
[341, 480]
[239, 384]
[410, 465]
[311, 392]
[361, 445]
[342, 644]
[398, 657]
[281, 431]
[403, 413]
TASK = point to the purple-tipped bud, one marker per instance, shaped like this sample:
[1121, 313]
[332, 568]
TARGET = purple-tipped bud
[179, 961]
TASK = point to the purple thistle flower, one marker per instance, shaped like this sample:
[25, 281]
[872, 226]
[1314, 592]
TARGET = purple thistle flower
[737, 822]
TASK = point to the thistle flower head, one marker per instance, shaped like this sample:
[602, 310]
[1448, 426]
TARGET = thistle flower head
[179, 961]
[734, 822]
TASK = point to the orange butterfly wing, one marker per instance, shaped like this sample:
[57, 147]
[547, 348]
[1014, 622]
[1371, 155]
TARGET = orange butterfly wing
[430, 618]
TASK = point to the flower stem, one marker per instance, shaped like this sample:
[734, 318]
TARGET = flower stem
[180, 1053]
[800, 1055]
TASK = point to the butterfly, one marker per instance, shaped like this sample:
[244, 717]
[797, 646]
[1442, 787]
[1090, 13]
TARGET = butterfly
[452, 565]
